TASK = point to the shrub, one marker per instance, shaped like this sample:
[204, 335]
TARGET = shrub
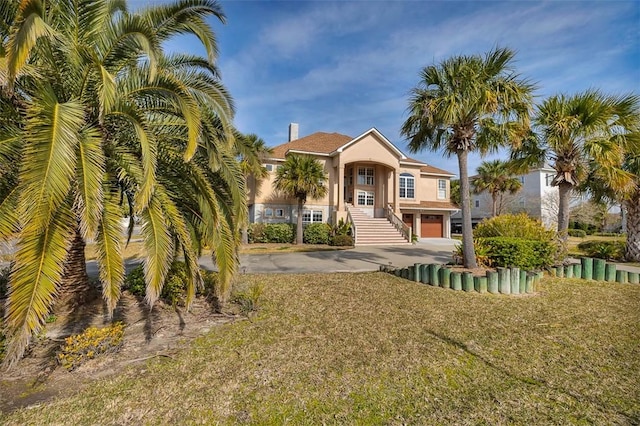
[613, 250]
[249, 299]
[514, 225]
[577, 233]
[519, 253]
[271, 233]
[174, 290]
[80, 348]
[316, 233]
[341, 228]
[209, 281]
[134, 281]
[2, 343]
[483, 259]
[341, 241]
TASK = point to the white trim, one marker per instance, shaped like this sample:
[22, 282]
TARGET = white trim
[412, 163]
[297, 151]
[436, 174]
[376, 132]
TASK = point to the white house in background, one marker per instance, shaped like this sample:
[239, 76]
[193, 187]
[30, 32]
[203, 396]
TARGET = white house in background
[538, 198]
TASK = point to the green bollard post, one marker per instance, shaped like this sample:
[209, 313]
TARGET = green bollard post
[480, 284]
[397, 272]
[610, 272]
[424, 274]
[523, 281]
[445, 278]
[515, 280]
[552, 271]
[622, 277]
[416, 272]
[587, 268]
[467, 281]
[530, 282]
[599, 269]
[433, 275]
[504, 280]
[568, 271]
[633, 277]
[405, 273]
[560, 271]
[492, 282]
[577, 270]
[456, 281]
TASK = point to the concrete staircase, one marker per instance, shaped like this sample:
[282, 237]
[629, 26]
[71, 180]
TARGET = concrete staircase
[375, 231]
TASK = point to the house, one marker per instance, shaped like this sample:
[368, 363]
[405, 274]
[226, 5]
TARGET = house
[386, 195]
[538, 198]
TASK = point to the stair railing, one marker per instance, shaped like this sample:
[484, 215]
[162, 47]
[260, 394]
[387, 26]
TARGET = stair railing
[353, 225]
[398, 223]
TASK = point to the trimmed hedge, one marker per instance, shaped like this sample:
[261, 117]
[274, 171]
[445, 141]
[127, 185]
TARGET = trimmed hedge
[316, 233]
[577, 233]
[341, 241]
[519, 253]
[271, 233]
[613, 250]
[513, 225]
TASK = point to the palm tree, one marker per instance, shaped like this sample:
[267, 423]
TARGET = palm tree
[252, 151]
[105, 116]
[467, 104]
[301, 177]
[496, 178]
[574, 131]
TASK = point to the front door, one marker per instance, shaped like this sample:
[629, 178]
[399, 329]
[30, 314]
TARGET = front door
[407, 218]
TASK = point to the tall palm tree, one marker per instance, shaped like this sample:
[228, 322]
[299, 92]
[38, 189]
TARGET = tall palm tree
[104, 116]
[574, 131]
[301, 177]
[252, 151]
[468, 104]
[496, 178]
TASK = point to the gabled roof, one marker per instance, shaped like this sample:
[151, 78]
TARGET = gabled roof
[430, 170]
[380, 136]
[316, 143]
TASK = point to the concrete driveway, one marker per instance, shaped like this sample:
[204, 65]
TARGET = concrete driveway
[359, 259]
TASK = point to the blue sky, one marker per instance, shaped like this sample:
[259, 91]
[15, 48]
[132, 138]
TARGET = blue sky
[348, 66]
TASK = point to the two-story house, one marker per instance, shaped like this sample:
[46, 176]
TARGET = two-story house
[386, 195]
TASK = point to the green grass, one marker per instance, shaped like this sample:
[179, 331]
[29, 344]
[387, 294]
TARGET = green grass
[375, 349]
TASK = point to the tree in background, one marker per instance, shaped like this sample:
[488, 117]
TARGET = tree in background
[93, 112]
[496, 178]
[468, 104]
[576, 131]
[301, 177]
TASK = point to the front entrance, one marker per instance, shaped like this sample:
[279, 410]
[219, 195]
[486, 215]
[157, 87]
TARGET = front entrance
[431, 226]
[407, 218]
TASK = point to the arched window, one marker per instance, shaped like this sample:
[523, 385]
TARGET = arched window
[407, 186]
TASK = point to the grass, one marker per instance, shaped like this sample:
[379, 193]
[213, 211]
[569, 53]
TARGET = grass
[375, 349]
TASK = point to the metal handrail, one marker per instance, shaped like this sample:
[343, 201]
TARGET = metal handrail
[398, 223]
[353, 226]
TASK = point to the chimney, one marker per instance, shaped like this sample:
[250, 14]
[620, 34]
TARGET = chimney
[293, 131]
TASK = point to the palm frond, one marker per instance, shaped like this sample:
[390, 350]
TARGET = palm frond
[89, 172]
[110, 259]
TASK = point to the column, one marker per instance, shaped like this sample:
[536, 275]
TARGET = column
[340, 188]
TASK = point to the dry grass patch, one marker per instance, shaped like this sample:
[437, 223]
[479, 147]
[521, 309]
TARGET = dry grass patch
[375, 349]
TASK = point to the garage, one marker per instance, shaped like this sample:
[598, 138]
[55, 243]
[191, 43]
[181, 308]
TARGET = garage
[431, 226]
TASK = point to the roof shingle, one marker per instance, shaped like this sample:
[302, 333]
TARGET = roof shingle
[319, 142]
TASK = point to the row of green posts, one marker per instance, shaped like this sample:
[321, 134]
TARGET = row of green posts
[503, 280]
[595, 269]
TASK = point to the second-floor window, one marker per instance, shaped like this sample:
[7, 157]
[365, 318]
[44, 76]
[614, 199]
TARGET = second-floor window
[442, 189]
[548, 179]
[365, 176]
[407, 186]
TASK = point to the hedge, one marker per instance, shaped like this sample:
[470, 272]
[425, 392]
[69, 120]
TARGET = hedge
[316, 233]
[577, 233]
[341, 241]
[518, 252]
[271, 233]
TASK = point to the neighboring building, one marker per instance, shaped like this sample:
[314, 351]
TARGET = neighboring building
[370, 181]
[538, 198]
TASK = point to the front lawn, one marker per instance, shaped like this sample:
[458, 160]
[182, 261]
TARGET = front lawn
[375, 349]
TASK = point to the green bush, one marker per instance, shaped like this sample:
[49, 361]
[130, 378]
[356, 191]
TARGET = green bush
[341, 241]
[514, 225]
[316, 233]
[612, 250]
[134, 281]
[519, 252]
[577, 233]
[271, 233]
[249, 299]
[341, 228]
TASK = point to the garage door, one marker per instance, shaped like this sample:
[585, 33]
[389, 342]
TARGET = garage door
[431, 226]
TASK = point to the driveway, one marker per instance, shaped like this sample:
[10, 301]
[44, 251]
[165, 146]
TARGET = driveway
[359, 259]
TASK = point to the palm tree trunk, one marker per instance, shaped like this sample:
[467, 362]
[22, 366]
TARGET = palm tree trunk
[564, 193]
[299, 236]
[468, 251]
[494, 208]
[632, 206]
[244, 232]
[74, 288]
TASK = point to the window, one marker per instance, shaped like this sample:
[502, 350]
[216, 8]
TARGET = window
[442, 188]
[268, 212]
[521, 179]
[407, 186]
[269, 167]
[477, 203]
[365, 198]
[548, 179]
[279, 213]
[365, 176]
[311, 216]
